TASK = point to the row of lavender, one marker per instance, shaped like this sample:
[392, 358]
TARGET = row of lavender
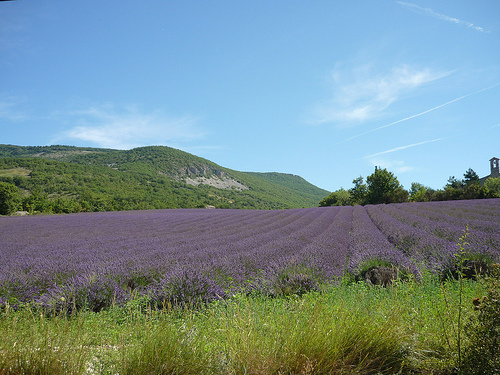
[97, 259]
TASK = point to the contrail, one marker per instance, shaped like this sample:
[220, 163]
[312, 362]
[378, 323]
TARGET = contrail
[404, 147]
[430, 12]
[419, 114]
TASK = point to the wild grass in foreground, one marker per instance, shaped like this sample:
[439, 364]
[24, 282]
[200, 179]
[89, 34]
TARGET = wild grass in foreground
[411, 327]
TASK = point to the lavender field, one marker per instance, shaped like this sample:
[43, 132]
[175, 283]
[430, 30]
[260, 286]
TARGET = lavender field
[94, 260]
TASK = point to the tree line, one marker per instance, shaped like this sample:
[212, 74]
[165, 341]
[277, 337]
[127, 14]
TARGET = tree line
[383, 186]
[60, 187]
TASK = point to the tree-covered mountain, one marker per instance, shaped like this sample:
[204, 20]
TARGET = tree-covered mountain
[72, 179]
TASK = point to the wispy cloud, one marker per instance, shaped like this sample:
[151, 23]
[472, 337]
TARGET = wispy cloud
[404, 147]
[419, 114]
[360, 95]
[397, 166]
[125, 128]
[9, 108]
[432, 13]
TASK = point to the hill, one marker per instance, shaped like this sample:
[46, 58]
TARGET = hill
[70, 179]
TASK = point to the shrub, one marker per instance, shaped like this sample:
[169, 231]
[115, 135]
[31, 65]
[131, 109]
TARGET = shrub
[290, 283]
[482, 355]
[340, 197]
[93, 292]
[9, 198]
[465, 263]
[286, 278]
[468, 266]
[377, 271]
[184, 288]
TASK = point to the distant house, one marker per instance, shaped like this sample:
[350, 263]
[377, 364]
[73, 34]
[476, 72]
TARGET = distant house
[494, 170]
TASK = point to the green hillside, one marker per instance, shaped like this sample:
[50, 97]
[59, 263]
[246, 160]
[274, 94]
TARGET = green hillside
[293, 182]
[71, 179]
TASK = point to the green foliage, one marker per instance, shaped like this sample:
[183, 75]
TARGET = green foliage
[292, 280]
[361, 269]
[293, 182]
[340, 197]
[474, 347]
[471, 191]
[453, 182]
[384, 187]
[343, 329]
[420, 193]
[9, 198]
[61, 179]
[470, 177]
[467, 263]
[359, 191]
[381, 187]
[493, 186]
[482, 355]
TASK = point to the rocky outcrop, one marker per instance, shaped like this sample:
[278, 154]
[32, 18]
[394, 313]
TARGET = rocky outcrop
[218, 182]
[196, 170]
[204, 174]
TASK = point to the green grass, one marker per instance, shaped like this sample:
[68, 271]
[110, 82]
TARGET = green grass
[13, 172]
[346, 329]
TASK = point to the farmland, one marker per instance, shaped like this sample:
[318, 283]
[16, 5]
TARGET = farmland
[188, 259]
[111, 255]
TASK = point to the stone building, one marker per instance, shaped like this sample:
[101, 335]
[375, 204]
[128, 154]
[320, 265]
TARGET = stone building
[494, 170]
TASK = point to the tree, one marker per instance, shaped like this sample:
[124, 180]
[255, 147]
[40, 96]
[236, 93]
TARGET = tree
[9, 198]
[384, 187]
[454, 183]
[420, 193]
[476, 191]
[470, 177]
[493, 185]
[37, 201]
[340, 197]
[358, 192]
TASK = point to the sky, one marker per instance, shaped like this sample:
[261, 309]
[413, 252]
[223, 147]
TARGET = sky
[326, 90]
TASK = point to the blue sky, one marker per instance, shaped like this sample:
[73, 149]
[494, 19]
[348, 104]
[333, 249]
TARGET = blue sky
[322, 89]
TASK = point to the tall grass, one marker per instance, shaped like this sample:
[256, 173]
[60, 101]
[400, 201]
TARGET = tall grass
[343, 329]
[261, 336]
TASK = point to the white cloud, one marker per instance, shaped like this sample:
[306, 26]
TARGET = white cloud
[360, 95]
[397, 166]
[106, 127]
[431, 13]
[419, 114]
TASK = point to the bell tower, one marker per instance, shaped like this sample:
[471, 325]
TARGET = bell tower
[495, 167]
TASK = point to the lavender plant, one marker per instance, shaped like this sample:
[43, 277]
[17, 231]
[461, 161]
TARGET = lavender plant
[95, 260]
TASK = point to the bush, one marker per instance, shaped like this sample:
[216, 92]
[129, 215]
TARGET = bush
[482, 356]
[94, 293]
[340, 197]
[187, 288]
[469, 266]
[290, 283]
[286, 278]
[9, 198]
[382, 271]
